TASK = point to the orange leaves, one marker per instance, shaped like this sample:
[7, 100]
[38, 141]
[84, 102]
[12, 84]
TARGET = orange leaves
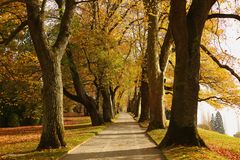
[224, 152]
[18, 134]
[11, 16]
[19, 77]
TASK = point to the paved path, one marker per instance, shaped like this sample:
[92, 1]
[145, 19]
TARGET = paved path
[122, 140]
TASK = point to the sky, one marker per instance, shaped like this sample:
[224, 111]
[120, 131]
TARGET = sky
[232, 38]
[229, 42]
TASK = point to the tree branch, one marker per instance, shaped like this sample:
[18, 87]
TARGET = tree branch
[222, 15]
[84, 1]
[167, 88]
[122, 17]
[70, 95]
[36, 29]
[209, 98]
[126, 28]
[165, 50]
[7, 40]
[89, 68]
[218, 63]
[78, 86]
[110, 12]
[64, 32]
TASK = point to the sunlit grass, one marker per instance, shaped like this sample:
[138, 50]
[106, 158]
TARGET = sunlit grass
[220, 140]
[74, 134]
[221, 147]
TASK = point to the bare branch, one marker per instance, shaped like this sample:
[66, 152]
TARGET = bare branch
[127, 27]
[86, 1]
[122, 17]
[211, 97]
[70, 95]
[219, 64]
[111, 10]
[222, 15]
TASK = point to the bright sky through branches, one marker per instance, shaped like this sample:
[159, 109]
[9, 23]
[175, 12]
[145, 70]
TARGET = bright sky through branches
[229, 41]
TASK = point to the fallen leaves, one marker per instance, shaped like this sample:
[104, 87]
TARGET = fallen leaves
[225, 152]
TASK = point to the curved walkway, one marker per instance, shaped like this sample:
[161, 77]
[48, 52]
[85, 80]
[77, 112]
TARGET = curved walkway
[122, 140]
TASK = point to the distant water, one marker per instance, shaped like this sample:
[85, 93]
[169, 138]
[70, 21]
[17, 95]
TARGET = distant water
[230, 116]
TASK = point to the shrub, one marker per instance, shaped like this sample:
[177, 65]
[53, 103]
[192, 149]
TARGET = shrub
[237, 135]
[3, 122]
[13, 120]
[31, 121]
[204, 126]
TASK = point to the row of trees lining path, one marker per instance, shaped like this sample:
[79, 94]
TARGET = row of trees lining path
[184, 31]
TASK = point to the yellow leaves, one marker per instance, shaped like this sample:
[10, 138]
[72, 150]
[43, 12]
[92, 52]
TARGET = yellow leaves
[220, 83]
[11, 16]
[20, 76]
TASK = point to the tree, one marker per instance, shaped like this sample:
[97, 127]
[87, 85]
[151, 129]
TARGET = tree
[155, 75]
[99, 42]
[218, 123]
[20, 87]
[144, 90]
[212, 122]
[187, 31]
[81, 95]
[50, 57]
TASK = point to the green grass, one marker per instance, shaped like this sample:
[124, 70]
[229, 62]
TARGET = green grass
[221, 146]
[74, 135]
[220, 140]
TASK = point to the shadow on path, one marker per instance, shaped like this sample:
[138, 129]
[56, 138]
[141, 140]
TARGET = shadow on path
[124, 140]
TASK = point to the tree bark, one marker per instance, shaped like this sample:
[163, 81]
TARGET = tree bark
[135, 101]
[50, 60]
[107, 105]
[187, 32]
[144, 89]
[129, 104]
[113, 95]
[155, 76]
[53, 129]
[136, 104]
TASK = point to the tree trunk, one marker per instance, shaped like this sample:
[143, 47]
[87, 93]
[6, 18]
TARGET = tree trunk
[82, 97]
[155, 76]
[53, 129]
[187, 32]
[144, 115]
[129, 104]
[50, 62]
[113, 94]
[113, 106]
[107, 106]
[91, 107]
[136, 103]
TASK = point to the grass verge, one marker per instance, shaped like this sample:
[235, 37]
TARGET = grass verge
[20, 143]
[221, 147]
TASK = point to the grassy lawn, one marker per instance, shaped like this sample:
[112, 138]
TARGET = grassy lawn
[221, 147]
[22, 141]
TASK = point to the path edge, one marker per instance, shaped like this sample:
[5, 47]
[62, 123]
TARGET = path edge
[163, 157]
[71, 150]
[74, 148]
